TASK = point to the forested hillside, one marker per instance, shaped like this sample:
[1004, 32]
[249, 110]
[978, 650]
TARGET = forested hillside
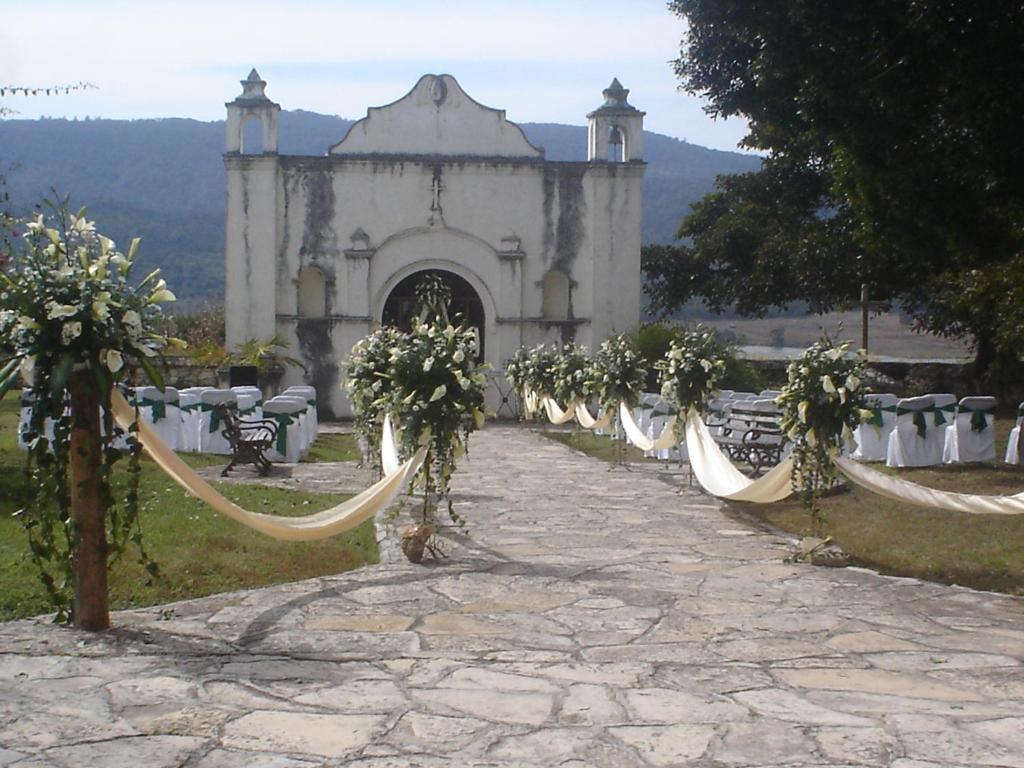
[164, 179]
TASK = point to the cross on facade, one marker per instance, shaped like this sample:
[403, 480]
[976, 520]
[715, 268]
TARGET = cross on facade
[436, 189]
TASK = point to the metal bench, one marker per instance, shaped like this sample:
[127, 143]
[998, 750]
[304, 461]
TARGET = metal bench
[249, 440]
[750, 433]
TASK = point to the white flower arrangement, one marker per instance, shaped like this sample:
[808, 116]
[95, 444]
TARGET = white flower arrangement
[692, 368]
[823, 401]
[534, 370]
[572, 372]
[618, 373]
[68, 299]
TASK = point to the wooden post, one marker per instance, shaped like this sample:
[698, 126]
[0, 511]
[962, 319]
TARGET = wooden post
[91, 603]
[865, 296]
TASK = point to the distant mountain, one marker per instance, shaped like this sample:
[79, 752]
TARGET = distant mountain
[164, 179]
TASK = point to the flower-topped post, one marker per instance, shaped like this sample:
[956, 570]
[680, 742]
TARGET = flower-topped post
[72, 320]
[821, 404]
[618, 375]
[572, 379]
[691, 370]
[428, 381]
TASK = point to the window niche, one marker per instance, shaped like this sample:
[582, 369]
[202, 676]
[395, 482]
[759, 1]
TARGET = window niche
[555, 296]
[312, 293]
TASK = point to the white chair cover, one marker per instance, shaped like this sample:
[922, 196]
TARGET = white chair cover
[170, 426]
[972, 434]
[288, 413]
[769, 394]
[211, 433]
[254, 397]
[309, 393]
[915, 441]
[1013, 445]
[945, 409]
[247, 408]
[873, 438]
[188, 406]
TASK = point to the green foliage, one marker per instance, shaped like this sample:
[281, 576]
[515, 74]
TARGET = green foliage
[821, 404]
[264, 354]
[889, 161]
[653, 341]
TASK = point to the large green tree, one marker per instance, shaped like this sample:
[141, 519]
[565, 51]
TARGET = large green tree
[892, 132]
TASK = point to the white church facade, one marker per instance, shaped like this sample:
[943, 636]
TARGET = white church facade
[321, 250]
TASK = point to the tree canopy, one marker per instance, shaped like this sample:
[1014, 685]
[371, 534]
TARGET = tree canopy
[892, 133]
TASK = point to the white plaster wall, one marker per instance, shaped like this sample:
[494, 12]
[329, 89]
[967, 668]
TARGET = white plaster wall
[436, 118]
[250, 303]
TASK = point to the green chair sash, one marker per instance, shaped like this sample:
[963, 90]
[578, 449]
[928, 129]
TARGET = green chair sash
[211, 408]
[919, 422]
[159, 408]
[283, 421]
[940, 412]
[978, 421]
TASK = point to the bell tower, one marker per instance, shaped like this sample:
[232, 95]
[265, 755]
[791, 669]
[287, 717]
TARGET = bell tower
[252, 105]
[615, 130]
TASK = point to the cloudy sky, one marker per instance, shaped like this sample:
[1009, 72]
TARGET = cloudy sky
[541, 61]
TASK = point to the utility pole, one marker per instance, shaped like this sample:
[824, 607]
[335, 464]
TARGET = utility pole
[865, 296]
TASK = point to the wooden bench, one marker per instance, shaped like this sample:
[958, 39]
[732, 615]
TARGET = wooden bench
[750, 434]
[249, 440]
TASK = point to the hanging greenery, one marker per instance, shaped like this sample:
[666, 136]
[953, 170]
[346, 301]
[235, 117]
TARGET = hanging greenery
[70, 310]
[823, 401]
[692, 368]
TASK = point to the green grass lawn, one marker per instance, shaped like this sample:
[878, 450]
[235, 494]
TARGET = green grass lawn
[199, 551]
[980, 551]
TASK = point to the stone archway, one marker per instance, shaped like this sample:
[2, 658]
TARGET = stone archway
[466, 305]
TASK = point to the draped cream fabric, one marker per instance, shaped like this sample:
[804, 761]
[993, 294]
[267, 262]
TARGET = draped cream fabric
[667, 438]
[555, 414]
[389, 462]
[321, 525]
[719, 477]
[589, 422]
[912, 493]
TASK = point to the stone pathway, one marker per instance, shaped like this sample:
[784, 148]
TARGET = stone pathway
[593, 618]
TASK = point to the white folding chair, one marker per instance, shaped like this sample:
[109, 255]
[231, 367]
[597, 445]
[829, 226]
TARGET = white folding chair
[211, 431]
[872, 437]
[972, 436]
[287, 412]
[170, 427]
[1013, 445]
[915, 441]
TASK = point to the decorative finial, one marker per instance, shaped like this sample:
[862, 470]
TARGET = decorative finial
[253, 87]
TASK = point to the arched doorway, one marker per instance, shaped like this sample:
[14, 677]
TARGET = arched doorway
[465, 307]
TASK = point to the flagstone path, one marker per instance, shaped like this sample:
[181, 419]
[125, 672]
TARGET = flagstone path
[592, 618]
